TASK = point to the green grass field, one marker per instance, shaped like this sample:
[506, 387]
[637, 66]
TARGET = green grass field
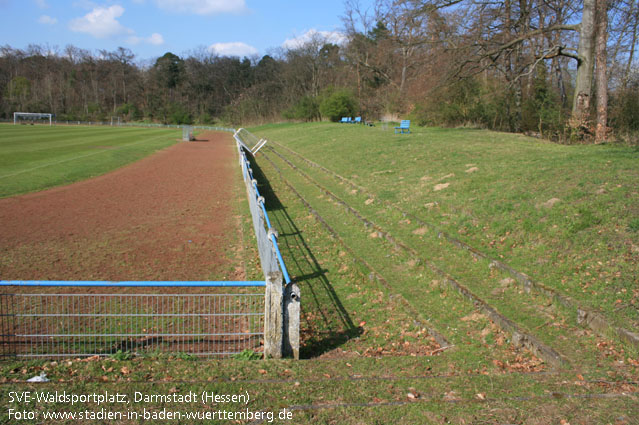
[373, 295]
[566, 215]
[33, 158]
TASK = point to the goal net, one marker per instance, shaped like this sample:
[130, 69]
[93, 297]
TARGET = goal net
[31, 117]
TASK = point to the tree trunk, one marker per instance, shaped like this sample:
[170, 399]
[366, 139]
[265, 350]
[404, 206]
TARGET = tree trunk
[585, 66]
[626, 76]
[601, 76]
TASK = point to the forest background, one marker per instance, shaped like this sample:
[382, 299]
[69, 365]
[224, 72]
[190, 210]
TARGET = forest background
[563, 70]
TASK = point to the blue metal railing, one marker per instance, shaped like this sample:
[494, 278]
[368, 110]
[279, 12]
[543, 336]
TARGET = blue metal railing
[249, 177]
[127, 284]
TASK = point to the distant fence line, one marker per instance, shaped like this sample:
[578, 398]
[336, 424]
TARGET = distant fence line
[135, 124]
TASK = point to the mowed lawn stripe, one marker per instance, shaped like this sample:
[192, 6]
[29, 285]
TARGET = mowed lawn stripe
[72, 158]
[25, 139]
[33, 159]
[17, 147]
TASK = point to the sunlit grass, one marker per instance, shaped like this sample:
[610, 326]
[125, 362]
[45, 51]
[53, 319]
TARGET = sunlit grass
[565, 215]
[33, 158]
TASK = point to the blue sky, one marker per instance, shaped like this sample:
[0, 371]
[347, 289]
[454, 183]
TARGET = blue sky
[152, 27]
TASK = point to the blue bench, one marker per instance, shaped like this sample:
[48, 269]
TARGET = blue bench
[346, 120]
[404, 126]
[358, 120]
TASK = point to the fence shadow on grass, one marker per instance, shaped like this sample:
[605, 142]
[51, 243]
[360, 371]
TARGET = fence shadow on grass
[325, 323]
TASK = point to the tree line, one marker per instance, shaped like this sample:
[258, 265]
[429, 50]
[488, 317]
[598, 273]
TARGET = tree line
[561, 69]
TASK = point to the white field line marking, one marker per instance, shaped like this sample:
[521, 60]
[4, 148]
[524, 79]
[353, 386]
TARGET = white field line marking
[77, 157]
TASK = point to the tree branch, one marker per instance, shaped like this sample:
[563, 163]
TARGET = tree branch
[522, 38]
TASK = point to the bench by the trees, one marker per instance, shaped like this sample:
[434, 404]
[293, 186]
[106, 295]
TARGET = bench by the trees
[404, 126]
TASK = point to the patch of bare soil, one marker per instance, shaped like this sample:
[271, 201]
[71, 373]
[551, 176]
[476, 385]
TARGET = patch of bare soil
[166, 217]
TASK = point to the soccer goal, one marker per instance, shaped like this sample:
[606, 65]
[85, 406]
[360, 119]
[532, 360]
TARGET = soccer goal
[31, 117]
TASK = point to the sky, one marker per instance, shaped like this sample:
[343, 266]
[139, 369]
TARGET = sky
[151, 28]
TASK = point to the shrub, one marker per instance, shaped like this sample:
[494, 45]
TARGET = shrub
[129, 112]
[463, 103]
[541, 109]
[306, 109]
[337, 104]
[624, 112]
[178, 115]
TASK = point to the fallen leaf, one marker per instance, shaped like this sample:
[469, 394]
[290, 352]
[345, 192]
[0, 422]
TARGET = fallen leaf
[451, 396]
[499, 363]
[550, 203]
[420, 231]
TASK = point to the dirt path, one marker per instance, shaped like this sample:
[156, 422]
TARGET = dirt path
[166, 217]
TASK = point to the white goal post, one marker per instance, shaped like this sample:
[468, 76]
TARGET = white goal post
[31, 116]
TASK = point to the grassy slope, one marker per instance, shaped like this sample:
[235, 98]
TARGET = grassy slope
[586, 245]
[38, 157]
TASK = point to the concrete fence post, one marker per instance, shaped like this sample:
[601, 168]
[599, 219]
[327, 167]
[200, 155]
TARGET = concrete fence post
[292, 304]
[282, 318]
[274, 316]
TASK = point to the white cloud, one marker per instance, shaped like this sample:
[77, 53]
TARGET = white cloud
[236, 48]
[42, 4]
[47, 20]
[203, 7]
[101, 22]
[155, 39]
[334, 37]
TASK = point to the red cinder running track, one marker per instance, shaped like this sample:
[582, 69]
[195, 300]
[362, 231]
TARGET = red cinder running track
[169, 216]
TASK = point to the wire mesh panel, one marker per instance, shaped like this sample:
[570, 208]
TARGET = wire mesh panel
[86, 324]
[247, 138]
